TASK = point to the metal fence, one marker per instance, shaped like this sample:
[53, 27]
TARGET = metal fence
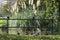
[50, 28]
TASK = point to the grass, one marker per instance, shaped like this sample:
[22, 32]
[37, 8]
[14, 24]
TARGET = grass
[29, 37]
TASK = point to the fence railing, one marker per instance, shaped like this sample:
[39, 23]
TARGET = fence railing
[52, 27]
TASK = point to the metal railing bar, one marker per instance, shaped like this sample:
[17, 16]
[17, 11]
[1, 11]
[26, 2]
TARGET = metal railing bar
[25, 19]
[27, 27]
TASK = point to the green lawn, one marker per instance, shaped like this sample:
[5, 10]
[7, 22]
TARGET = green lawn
[28, 37]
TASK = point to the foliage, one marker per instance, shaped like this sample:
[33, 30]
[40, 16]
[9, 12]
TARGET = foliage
[47, 9]
[20, 37]
[6, 9]
[2, 22]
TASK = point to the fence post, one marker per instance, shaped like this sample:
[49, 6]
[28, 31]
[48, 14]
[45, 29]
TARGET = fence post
[52, 26]
[7, 23]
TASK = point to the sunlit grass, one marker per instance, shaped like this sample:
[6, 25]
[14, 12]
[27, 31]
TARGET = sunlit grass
[2, 22]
